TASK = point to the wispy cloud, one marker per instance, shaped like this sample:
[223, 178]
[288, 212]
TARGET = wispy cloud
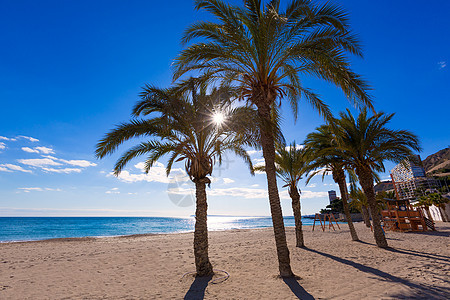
[253, 152]
[156, 174]
[16, 211]
[44, 150]
[39, 162]
[73, 162]
[63, 170]
[246, 193]
[227, 180]
[29, 150]
[4, 138]
[442, 64]
[2, 146]
[31, 139]
[38, 189]
[113, 191]
[12, 167]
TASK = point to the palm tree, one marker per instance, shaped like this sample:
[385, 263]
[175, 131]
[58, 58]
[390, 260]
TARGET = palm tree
[263, 51]
[180, 123]
[318, 142]
[290, 166]
[359, 202]
[365, 144]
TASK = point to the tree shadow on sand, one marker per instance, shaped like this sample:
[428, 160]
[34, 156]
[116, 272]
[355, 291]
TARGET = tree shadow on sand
[297, 289]
[414, 253]
[422, 291]
[198, 288]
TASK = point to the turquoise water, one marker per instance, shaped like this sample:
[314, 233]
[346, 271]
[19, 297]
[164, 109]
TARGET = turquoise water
[41, 228]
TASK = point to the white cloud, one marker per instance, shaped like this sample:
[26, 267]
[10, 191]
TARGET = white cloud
[113, 191]
[442, 64]
[54, 190]
[3, 169]
[29, 150]
[156, 174]
[38, 189]
[79, 163]
[44, 150]
[44, 163]
[73, 162]
[246, 193]
[31, 139]
[2, 146]
[11, 167]
[255, 185]
[227, 180]
[240, 192]
[39, 162]
[253, 152]
[31, 189]
[63, 170]
[310, 195]
[4, 138]
[298, 147]
[313, 185]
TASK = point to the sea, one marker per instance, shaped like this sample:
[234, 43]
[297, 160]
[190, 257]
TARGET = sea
[15, 229]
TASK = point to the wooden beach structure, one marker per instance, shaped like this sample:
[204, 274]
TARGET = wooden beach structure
[329, 217]
[401, 216]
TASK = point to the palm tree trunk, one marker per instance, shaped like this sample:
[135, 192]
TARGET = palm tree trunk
[296, 208]
[366, 181]
[366, 217]
[443, 213]
[202, 264]
[268, 146]
[339, 178]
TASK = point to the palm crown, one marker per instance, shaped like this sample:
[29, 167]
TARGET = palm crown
[265, 50]
[290, 164]
[366, 142]
[181, 118]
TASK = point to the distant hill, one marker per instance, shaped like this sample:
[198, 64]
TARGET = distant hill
[438, 164]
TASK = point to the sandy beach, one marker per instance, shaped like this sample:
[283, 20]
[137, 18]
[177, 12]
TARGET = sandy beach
[152, 267]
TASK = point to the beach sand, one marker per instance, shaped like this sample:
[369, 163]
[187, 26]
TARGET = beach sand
[152, 267]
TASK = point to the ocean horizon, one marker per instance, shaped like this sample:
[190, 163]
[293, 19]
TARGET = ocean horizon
[19, 229]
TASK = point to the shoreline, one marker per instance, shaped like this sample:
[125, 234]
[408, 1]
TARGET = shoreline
[417, 266]
[137, 235]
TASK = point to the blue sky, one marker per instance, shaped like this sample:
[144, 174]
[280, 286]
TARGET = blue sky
[71, 70]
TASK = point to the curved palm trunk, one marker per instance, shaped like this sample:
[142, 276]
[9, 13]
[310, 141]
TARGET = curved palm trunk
[268, 146]
[365, 214]
[296, 208]
[202, 264]
[339, 178]
[366, 180]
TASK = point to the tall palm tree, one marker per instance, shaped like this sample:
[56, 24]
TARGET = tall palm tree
[290, 166]
[366, 143]
[180, 123]
[264, 51]
[323, 141]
